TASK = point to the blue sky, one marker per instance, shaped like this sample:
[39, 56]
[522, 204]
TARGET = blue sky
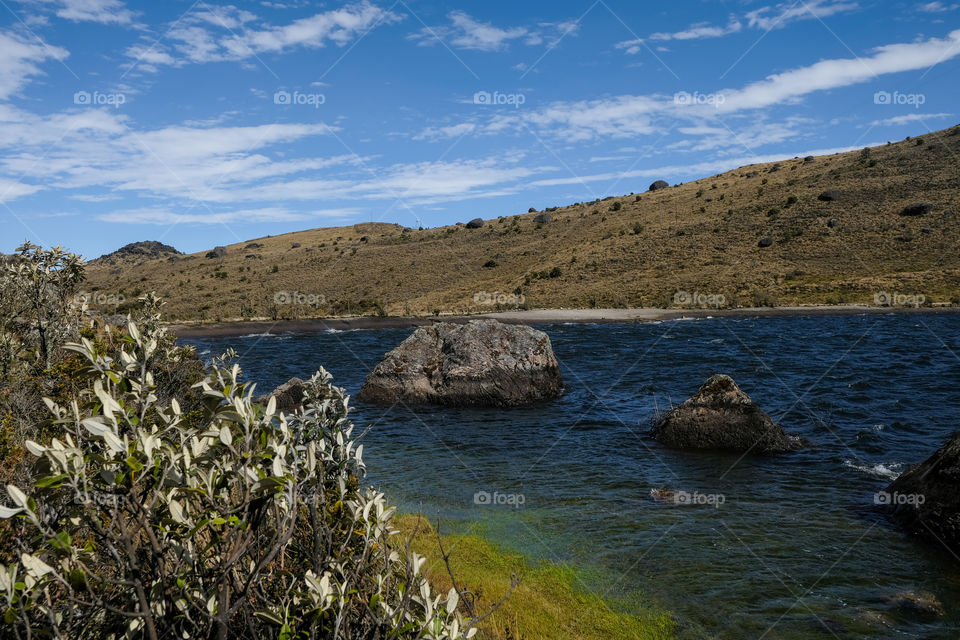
[199, 123]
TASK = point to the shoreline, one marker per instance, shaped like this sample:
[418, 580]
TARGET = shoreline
[532, 317]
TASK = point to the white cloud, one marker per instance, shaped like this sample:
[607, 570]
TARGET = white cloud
[102, 11]
[765, 18]
[20, 58]
[703, 30]
[219, 34]
[936, 7]
[769, 18]
[909, 118]
[465, 32]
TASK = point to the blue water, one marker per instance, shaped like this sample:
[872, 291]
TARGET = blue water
[796, 550]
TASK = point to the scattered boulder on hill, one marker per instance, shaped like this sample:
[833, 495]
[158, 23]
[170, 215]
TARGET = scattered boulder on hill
[139, 252]
[918, 209]
[364, 238]
[476, 223]
[765, 242]
[808, 159]
[832, 222]
[830, 195]
[659, 184]
[751, 174]
[926, 499]
[407, 230]
[721, 416]
[295, 245]
[289, 395]
[480, 363]
[218, 252]
[532, 210]
[254, 245]
[543, 218]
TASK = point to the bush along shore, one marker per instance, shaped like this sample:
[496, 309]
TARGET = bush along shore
[149, 496]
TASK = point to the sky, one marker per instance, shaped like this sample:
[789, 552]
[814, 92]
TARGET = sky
[201, 123]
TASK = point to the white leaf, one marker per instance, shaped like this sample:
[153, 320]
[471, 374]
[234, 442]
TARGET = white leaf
[115, 443]
[176, 512]
[272, 405]
[35, 567]
[7, 512]
[225, 436]
[453, 598]
[19, 497]
[34, 448]
[94, 426]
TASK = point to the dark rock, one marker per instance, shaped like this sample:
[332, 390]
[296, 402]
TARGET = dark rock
[295, 245]
[920, 604]
[480, 363]
[252, 256]
[752, 174]
[543, 218]
[364, 238]
[833, 222]
[776, 168]
[139, 251]
[926, 499]
[289, 395]
[407, 230]
[532, 210]
[476, 223]
[116, 272]
[254, 245]
[722, 417]
[659, 184]
[765, 242]
[926, 230]
[808, 159]
[918, 209]
[218, 252]
[607, 237]
[830, 195]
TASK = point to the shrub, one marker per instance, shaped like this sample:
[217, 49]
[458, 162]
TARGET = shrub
[616, 206]
[490, 264]
[248, 523]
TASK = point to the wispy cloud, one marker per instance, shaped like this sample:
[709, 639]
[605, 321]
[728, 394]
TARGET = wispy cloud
[217, 34]
[466, 32]
[937, 7]
[204, 216]
[765, 18]
[102, 11]
[908, 119]
[20, 58]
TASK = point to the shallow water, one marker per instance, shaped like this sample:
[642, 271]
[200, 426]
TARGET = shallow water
[795, 550]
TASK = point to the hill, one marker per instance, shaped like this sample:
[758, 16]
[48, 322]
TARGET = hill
[819, 230]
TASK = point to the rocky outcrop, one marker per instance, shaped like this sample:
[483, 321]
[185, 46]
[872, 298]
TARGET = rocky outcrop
[480, 363]
[926, 499]
[659, 184]
[830, 195]
[138, 252]
[543, 218]
[722, 417]
[476, 223]
[218, 252]
[765, 242]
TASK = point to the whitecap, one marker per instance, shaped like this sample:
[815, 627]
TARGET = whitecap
[887, 471]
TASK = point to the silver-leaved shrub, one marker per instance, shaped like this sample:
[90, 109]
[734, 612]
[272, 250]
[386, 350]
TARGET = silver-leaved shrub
[246, 523]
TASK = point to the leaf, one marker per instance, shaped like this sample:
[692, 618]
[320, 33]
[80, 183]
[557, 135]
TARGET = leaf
[19, 497]
[225, 436]
[134, 464]
[176, 511]
[269, 616]
[115, 443]
[51, 482]
[34, 448]
[94, 426]
[7, 512]
[35, 567]
[272, 405]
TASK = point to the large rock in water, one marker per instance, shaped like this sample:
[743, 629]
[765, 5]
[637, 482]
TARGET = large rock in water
[721, 416]
[926, 499]
[480, 363]
[289, 395]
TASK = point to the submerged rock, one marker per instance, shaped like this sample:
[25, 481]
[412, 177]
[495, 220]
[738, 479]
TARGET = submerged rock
[480, 363]
[921, 604]
[926, 499]
[721, 416]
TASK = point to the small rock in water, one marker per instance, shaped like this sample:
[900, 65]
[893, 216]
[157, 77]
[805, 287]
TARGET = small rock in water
[921, 604]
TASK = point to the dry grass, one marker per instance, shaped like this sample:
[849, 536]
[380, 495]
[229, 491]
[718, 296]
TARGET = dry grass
[701, 236]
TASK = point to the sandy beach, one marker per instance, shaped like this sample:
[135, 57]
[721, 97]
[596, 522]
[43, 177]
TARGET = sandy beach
[533, 316]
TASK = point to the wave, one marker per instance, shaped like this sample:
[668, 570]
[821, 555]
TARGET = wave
[887, 471]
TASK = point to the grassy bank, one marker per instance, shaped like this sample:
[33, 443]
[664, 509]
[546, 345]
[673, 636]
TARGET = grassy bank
[548, 604]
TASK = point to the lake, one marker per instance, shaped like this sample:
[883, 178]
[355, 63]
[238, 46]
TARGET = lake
[783, 547]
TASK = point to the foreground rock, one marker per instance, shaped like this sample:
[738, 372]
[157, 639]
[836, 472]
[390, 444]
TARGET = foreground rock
[481, 363]
[926, 499]
[721, 416]
[289, 395]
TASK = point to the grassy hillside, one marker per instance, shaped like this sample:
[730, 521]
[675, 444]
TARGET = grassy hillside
[637, 250]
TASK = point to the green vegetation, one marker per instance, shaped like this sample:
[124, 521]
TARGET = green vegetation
[547, 604]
